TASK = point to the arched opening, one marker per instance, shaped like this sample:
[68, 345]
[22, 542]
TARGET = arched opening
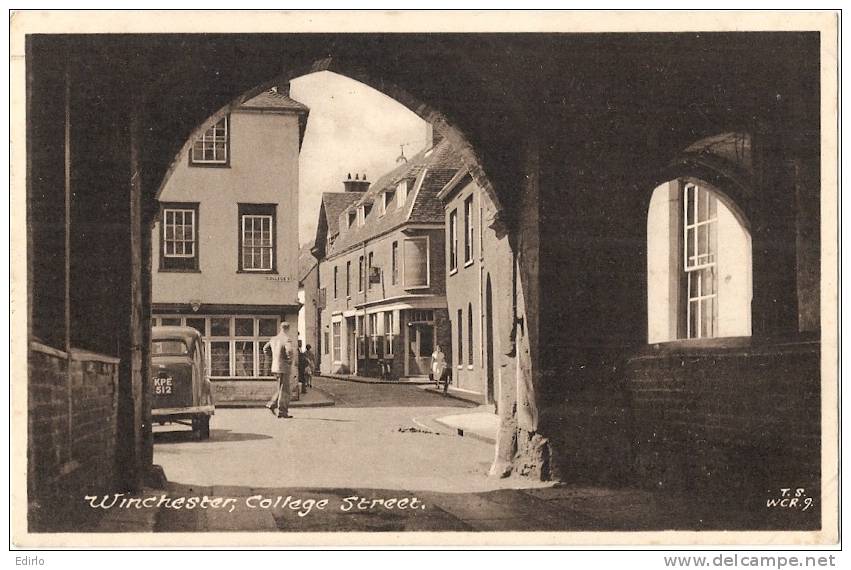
[699, 266]
[379, 311]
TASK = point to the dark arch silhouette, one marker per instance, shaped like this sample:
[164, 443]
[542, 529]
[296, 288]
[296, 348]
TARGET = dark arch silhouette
[439, 121]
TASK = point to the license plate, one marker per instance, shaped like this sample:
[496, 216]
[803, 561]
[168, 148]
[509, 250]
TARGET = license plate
[163, 385]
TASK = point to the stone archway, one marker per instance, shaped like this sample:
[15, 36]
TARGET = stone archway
[427, 112]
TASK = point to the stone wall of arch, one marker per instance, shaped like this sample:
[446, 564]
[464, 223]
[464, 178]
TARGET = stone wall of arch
[569, 129]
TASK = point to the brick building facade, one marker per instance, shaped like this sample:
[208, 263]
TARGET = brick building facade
[478, 286]
[382, 270]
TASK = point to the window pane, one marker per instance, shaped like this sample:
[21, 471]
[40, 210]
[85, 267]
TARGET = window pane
[244, 327]
[416, 263]
[220, 326]
[702, 240]
[707, 281]
[169, 347]
[171, 321]
[469, 335]
[197, 324]
[219, 359]
[712, 231]
[459, 326]
[244, 358]
[268, 327]
[690, 261]
[702, 205]
[265, 362]
[694, 323]
[690, 190]
[707, 325]
[336, 341]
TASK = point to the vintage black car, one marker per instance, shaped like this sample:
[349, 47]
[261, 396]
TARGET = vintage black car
[180, 388]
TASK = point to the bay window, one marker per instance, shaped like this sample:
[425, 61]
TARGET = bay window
[416, 262]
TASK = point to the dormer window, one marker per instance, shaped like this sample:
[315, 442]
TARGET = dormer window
[361, 215]
[352, 217]
[402, 192]
[367, 208]
[386, 199]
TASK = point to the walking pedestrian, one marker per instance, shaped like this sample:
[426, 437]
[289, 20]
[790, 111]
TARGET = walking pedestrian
[281, 347]
[439, 371]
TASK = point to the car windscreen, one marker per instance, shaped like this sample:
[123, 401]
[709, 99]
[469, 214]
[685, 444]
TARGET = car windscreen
[169, 346]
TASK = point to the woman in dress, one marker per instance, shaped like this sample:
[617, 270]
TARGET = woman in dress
[439, 370]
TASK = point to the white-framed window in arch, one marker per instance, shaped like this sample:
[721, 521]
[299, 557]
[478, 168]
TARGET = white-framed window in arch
[699, 282]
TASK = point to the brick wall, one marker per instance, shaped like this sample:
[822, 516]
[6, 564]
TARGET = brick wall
[744, 418]
[68, 457]
[724, 424]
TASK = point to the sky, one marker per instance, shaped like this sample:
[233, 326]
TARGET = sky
[352, 128]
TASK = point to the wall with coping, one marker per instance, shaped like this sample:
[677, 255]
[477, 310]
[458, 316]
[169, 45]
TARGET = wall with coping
[71, 449]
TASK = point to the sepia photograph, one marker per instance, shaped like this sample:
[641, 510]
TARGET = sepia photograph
[424, 278]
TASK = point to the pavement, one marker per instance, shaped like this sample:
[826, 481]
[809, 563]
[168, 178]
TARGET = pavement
[382, 459]
[456, 393]
[481, 425]
[414, 381]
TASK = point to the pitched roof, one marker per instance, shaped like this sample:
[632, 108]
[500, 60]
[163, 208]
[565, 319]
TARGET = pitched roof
[330, 208]
[273, 100]
[277, 100]
[335, 203]
[306, 261]
[435, 166]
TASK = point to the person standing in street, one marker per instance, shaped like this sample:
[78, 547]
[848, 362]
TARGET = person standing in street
[311, 365]
[281, 347]
[302, 370]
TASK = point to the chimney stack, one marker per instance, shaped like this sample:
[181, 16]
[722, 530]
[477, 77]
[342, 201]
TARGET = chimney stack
[356, 184]
[433, 135]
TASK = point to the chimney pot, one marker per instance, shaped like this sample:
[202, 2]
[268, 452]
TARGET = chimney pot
[283, 88]
[357, 184]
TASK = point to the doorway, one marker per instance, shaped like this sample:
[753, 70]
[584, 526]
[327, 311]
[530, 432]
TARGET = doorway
[351, 345]
[489, 356]
[421, 341]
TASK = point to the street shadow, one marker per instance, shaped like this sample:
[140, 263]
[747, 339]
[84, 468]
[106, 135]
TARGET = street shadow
[216, 436]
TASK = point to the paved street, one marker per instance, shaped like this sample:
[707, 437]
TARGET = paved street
[376, 436]
[376, 461]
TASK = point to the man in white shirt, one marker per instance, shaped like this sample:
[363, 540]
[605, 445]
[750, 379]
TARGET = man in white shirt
[281, 347]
